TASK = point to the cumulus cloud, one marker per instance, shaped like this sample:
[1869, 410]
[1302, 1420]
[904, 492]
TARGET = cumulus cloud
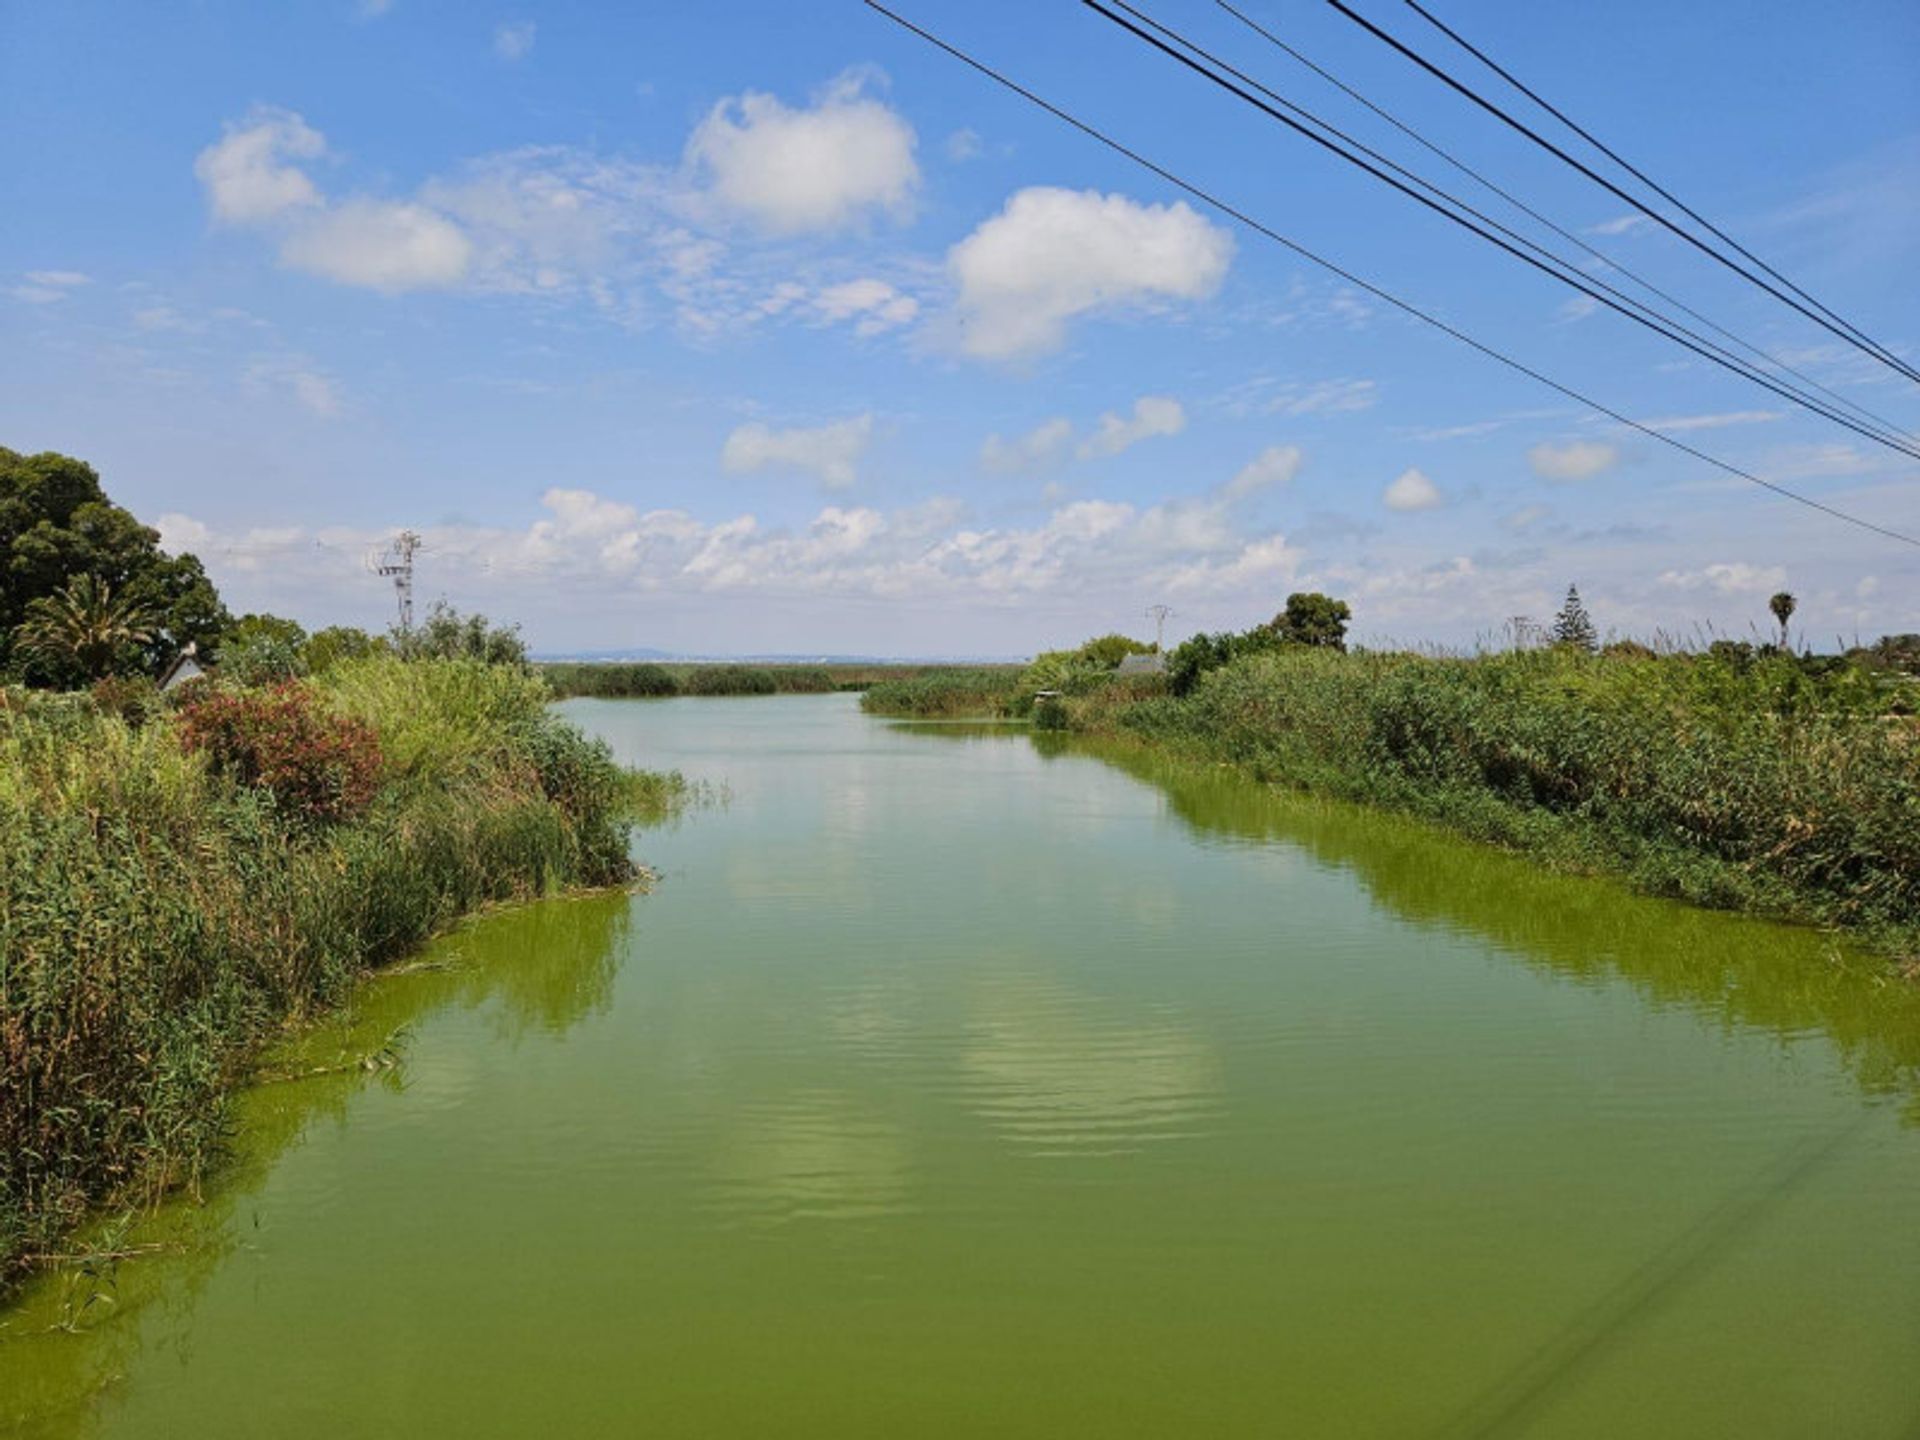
[1051, 255]
[819, 168]
[1041, 446]
[511, 41]
[1412, 490]
[1152, 415]
[1275, 465]
[609, 549]
[830, 453]
[382, 245]
[1575, 460]
[247, 174]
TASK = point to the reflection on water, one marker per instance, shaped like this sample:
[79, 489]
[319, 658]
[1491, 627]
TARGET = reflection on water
[956, 1080]
[1737, 971]
[817, 1155]
[1049, 1071]
[66, 1342]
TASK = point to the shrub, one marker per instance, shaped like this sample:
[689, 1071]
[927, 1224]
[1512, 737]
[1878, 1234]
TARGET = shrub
[317, 766]
[730, 680]
[945, 694]
[134, 699]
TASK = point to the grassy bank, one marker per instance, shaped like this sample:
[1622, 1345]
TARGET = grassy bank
[179, 883]
[1752, 783]
[623, 680]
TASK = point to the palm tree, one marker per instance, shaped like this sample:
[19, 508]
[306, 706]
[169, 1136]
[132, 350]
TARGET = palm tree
[1782, 607]
[84, 627]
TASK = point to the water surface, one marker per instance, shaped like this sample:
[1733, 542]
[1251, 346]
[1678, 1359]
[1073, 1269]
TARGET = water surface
[957, 1081]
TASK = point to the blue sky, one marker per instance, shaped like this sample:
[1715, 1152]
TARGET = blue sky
[749, 328]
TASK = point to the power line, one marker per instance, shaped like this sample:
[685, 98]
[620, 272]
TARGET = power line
[1648, 180]
[1552, 266]
[1565, 234]
[1386, 296]
[1866, 346]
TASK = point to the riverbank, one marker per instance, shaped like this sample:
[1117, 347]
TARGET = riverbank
[178, 883]
[1741, 782]
[623, 680]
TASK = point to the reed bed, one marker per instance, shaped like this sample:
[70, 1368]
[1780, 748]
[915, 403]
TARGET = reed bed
[1754, 783]
[164, 909]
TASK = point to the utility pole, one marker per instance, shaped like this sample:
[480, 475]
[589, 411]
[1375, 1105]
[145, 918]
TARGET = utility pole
[395, 563]
[1159, 614]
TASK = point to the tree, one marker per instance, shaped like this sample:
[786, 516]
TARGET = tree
[1314, 619]
[449, 635]
[326, 648]
[1573, 626]
[56, 524]
[83, 631]
[1782, 606]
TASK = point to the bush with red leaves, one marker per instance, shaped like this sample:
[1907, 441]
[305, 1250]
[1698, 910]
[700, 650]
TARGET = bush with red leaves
[319, 766]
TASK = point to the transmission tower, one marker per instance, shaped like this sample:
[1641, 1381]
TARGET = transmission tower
[395, 563]
[1159, 614]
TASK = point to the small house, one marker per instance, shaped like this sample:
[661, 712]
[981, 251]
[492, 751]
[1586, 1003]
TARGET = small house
[184, 667]
[1153, 663]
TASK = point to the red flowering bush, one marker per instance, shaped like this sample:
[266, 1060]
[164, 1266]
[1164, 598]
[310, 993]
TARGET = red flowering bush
[319, 766]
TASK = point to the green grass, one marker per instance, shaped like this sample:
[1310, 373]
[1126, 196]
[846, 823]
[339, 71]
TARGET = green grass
[157, 922]
[1752, 786]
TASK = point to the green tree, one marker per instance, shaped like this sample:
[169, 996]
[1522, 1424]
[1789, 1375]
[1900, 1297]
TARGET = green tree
[56, 524]
[1573, 626]
[327, 648]
[83, 631]
[1314, 619]
[1782, 605]
[449, 635]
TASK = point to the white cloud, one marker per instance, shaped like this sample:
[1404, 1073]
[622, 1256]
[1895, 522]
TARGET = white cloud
[1576, 307]
[873, 305]
[1325, 397]
[831, 453]
[1735, 578]
[1039, 447]
[245, 172]
[1276, 465]
[44, 287]
[1680, 424]
[821, 168]
[1152, 415]
[601, 547]
[1051, 255]
[964, 144]
[383, 245]
[1620, 225]
[294, 377]
[1575, 460]
[1412, 490]
[513, 40]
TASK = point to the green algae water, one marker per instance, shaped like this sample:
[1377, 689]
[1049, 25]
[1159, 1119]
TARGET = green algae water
[959, 1081]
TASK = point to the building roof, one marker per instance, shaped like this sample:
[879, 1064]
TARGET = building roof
[1150, 664]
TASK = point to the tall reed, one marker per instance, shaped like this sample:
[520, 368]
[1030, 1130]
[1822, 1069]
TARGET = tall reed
[159, 917]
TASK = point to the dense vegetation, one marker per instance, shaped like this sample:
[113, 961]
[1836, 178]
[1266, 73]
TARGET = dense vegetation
[619, 680]
[1744, 776]
[176, 885]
